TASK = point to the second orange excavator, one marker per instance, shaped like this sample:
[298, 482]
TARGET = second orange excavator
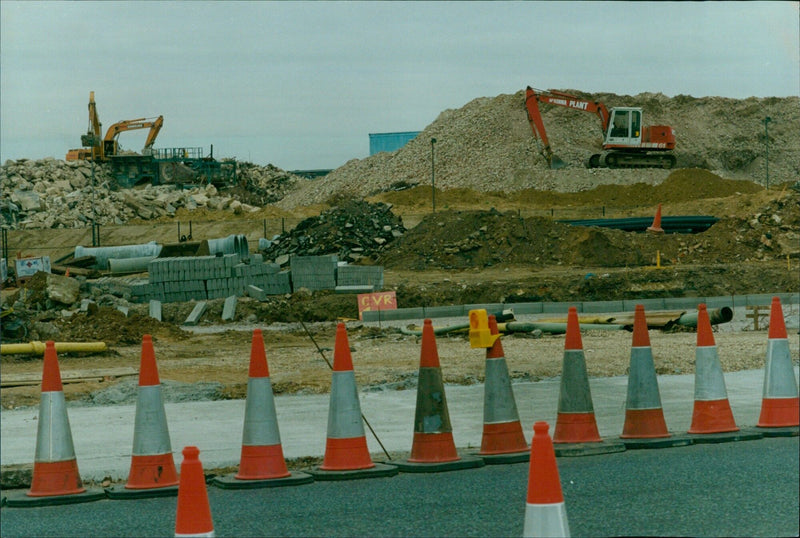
[626, 142]
[99, 149]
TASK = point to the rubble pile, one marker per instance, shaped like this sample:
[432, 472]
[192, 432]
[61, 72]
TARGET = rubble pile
[50, 193]
[487, 145]
[353, 230]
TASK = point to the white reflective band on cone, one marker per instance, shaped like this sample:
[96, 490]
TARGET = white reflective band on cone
[150, 434]
[344, 413]
[260, 422]
[54, 437]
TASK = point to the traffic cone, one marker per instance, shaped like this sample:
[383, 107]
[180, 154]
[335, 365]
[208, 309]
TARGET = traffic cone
[656, 228]
[346, 453]
[780, 406]
[545, 511]
[262, 463]
[644, 418]
[193, 516]
[152, 472]
[55, 469]
[433, 448]
[712, 417]
[503, 440]
[575, 424]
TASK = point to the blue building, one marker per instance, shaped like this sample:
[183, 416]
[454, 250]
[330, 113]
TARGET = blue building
[389, 141]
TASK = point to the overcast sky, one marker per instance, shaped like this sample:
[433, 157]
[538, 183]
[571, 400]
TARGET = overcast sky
[302, 84]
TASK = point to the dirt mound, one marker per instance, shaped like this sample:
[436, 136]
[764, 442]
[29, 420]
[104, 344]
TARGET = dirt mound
[111, 326]
[487, 145]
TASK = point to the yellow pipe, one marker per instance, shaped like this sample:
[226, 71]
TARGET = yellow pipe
[37, 348]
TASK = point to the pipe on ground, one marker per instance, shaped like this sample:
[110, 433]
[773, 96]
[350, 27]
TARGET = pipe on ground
[37, 348]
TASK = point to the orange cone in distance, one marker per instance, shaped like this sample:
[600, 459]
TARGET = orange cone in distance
[656, 228]
[433, 448]
[503, 440]
[56, 479]
[780, 406]
[262, 463]
[152, 472]
[346, 452]
[545, 511]
[193, 516]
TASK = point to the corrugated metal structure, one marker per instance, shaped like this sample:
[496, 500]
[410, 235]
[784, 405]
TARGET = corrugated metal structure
[389, 141]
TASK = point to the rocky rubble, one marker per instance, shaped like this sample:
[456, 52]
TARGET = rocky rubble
[487, 145]
[352, 230]
[50, 193]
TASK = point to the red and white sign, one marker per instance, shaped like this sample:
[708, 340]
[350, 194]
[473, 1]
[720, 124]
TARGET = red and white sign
[382, 300]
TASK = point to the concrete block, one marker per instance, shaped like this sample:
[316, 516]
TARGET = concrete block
[354, 289]
[559, 308]
[229, 308]
[525, 308]
[683, 303]
[123, 309]
[256, 293]
[155, 309]
[719, 302]
[650, 305]
[603, 306]
[196, 314]
[445, 311]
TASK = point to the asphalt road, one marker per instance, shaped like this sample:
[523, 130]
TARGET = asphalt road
[747, 488]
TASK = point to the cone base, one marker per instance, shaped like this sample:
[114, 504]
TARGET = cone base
[21, 498]
[55, 478]
[504, 458]
[348, 454]
[124, 493]
[780, 432]
[231, 482]
[466, 462]
[588, 449]
[656, 442]
[378, 470]
[725, 437]
[779, 413]
[433, 448]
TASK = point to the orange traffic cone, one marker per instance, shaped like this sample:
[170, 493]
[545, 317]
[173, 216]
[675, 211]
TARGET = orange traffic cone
[656, 228]
[346, 453]
[545, 511]
[55, 469]
[503, 440]
[433, 448]
[193, 516]
[644, 418]
[152, 471]
[576, 425]
[712, 417]
[780, 406]
[262, 463]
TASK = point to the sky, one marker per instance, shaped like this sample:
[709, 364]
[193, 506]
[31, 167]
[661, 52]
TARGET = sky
[300, 85]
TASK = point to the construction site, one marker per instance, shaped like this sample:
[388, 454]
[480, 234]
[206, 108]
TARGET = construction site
[515, 206]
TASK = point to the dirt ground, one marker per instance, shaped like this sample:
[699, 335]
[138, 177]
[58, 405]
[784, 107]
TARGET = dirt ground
[480, 248]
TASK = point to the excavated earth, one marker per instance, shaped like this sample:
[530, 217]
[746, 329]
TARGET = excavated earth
[495, 236]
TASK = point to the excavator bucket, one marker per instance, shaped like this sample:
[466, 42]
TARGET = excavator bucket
[556, 162]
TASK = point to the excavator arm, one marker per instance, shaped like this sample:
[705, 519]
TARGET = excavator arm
[110, 141]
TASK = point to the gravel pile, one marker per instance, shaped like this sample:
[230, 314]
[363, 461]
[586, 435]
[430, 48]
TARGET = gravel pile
[352, 230]
[487, 145]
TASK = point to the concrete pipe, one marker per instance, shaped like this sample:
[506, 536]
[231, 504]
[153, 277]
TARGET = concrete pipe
[129, 265]
[233, 244]
[103, 254]
[37, 348]
[715, 315]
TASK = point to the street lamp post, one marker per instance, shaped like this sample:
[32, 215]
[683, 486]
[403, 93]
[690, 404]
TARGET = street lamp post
[766, 145]
[433, 177]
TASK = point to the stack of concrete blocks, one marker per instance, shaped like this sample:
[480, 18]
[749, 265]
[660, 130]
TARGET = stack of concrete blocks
[209, 277]
[359, 278]
[314, 272]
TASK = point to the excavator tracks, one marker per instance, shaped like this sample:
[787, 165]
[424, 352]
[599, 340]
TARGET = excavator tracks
[619, 159]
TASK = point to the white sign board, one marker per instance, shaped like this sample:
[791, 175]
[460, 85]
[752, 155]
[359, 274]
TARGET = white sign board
[27, 267]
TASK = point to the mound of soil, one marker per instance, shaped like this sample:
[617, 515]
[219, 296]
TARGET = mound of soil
[111, 326]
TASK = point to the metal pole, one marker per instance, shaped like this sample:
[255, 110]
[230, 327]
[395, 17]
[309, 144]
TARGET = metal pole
[433, 180]
[95, 241]
[766, 144]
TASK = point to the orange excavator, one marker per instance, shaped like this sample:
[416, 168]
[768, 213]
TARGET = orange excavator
[99, 149]
[626, 143]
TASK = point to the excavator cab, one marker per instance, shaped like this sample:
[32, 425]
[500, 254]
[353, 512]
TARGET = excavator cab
[624, 127]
